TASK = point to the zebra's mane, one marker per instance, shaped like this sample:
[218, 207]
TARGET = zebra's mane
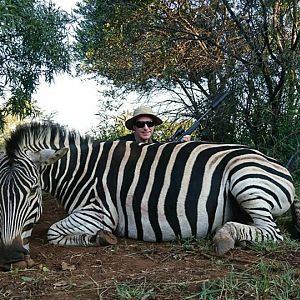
[33, 135]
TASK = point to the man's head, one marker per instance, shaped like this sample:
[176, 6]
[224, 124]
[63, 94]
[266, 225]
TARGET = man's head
[142, 123]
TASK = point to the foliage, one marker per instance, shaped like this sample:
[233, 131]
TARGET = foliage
[110, 129]
[11, 123]
[189, 51]
[33, 44]
[110, 126]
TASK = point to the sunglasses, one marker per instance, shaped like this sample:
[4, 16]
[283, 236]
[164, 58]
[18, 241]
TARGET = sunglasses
[141, 124]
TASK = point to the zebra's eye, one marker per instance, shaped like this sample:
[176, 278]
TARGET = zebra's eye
[33, 190]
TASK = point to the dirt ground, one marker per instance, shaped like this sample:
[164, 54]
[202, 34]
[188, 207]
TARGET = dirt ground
[128, 270]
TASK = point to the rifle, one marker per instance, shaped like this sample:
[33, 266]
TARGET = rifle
[180, 133]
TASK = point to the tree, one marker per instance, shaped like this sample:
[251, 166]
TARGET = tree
[195, 49]
[33, 44]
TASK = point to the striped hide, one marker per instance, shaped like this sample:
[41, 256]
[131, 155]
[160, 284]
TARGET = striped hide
[151, 192]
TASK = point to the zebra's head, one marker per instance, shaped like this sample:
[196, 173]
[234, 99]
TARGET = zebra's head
[20, 198]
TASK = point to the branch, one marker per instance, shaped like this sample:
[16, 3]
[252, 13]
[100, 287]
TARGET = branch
[192, 100]
[266, 33]
[295, 26]
[252, 46]
[240, 27]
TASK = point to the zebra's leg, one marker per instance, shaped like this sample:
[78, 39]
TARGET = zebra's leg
[233, 232]
[263, 228]
[88, 226]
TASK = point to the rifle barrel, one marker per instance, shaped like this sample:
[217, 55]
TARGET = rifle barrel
[215, 103]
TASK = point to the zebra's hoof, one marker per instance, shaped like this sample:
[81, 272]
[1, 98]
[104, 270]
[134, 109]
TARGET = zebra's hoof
[222, 246]
[105, 238]
[223, 242]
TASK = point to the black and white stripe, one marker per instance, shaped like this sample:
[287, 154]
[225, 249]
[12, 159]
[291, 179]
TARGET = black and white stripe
[159, 192]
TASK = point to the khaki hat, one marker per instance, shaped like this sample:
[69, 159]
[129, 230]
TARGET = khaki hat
[142, 110]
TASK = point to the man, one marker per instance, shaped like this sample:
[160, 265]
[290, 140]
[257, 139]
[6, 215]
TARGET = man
[142, 124]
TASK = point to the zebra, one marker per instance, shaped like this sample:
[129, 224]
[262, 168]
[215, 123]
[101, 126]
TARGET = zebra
[152, 192]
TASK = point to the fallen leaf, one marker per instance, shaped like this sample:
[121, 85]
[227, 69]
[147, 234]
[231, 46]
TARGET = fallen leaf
[67, 267]
[27, 279]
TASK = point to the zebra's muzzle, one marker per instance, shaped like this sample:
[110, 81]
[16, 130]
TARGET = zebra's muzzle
[14, 255]
[22, 264]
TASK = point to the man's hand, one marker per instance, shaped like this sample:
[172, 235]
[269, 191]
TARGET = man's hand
[186, 138]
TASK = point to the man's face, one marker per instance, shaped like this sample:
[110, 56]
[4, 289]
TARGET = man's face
[143, 128]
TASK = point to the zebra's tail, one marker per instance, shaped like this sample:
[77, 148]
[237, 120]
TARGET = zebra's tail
[295, 209]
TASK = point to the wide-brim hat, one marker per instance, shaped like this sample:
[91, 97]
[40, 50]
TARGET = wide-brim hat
[140, 111]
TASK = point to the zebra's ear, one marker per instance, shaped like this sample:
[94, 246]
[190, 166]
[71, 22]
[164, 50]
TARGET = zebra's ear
[47, 156]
